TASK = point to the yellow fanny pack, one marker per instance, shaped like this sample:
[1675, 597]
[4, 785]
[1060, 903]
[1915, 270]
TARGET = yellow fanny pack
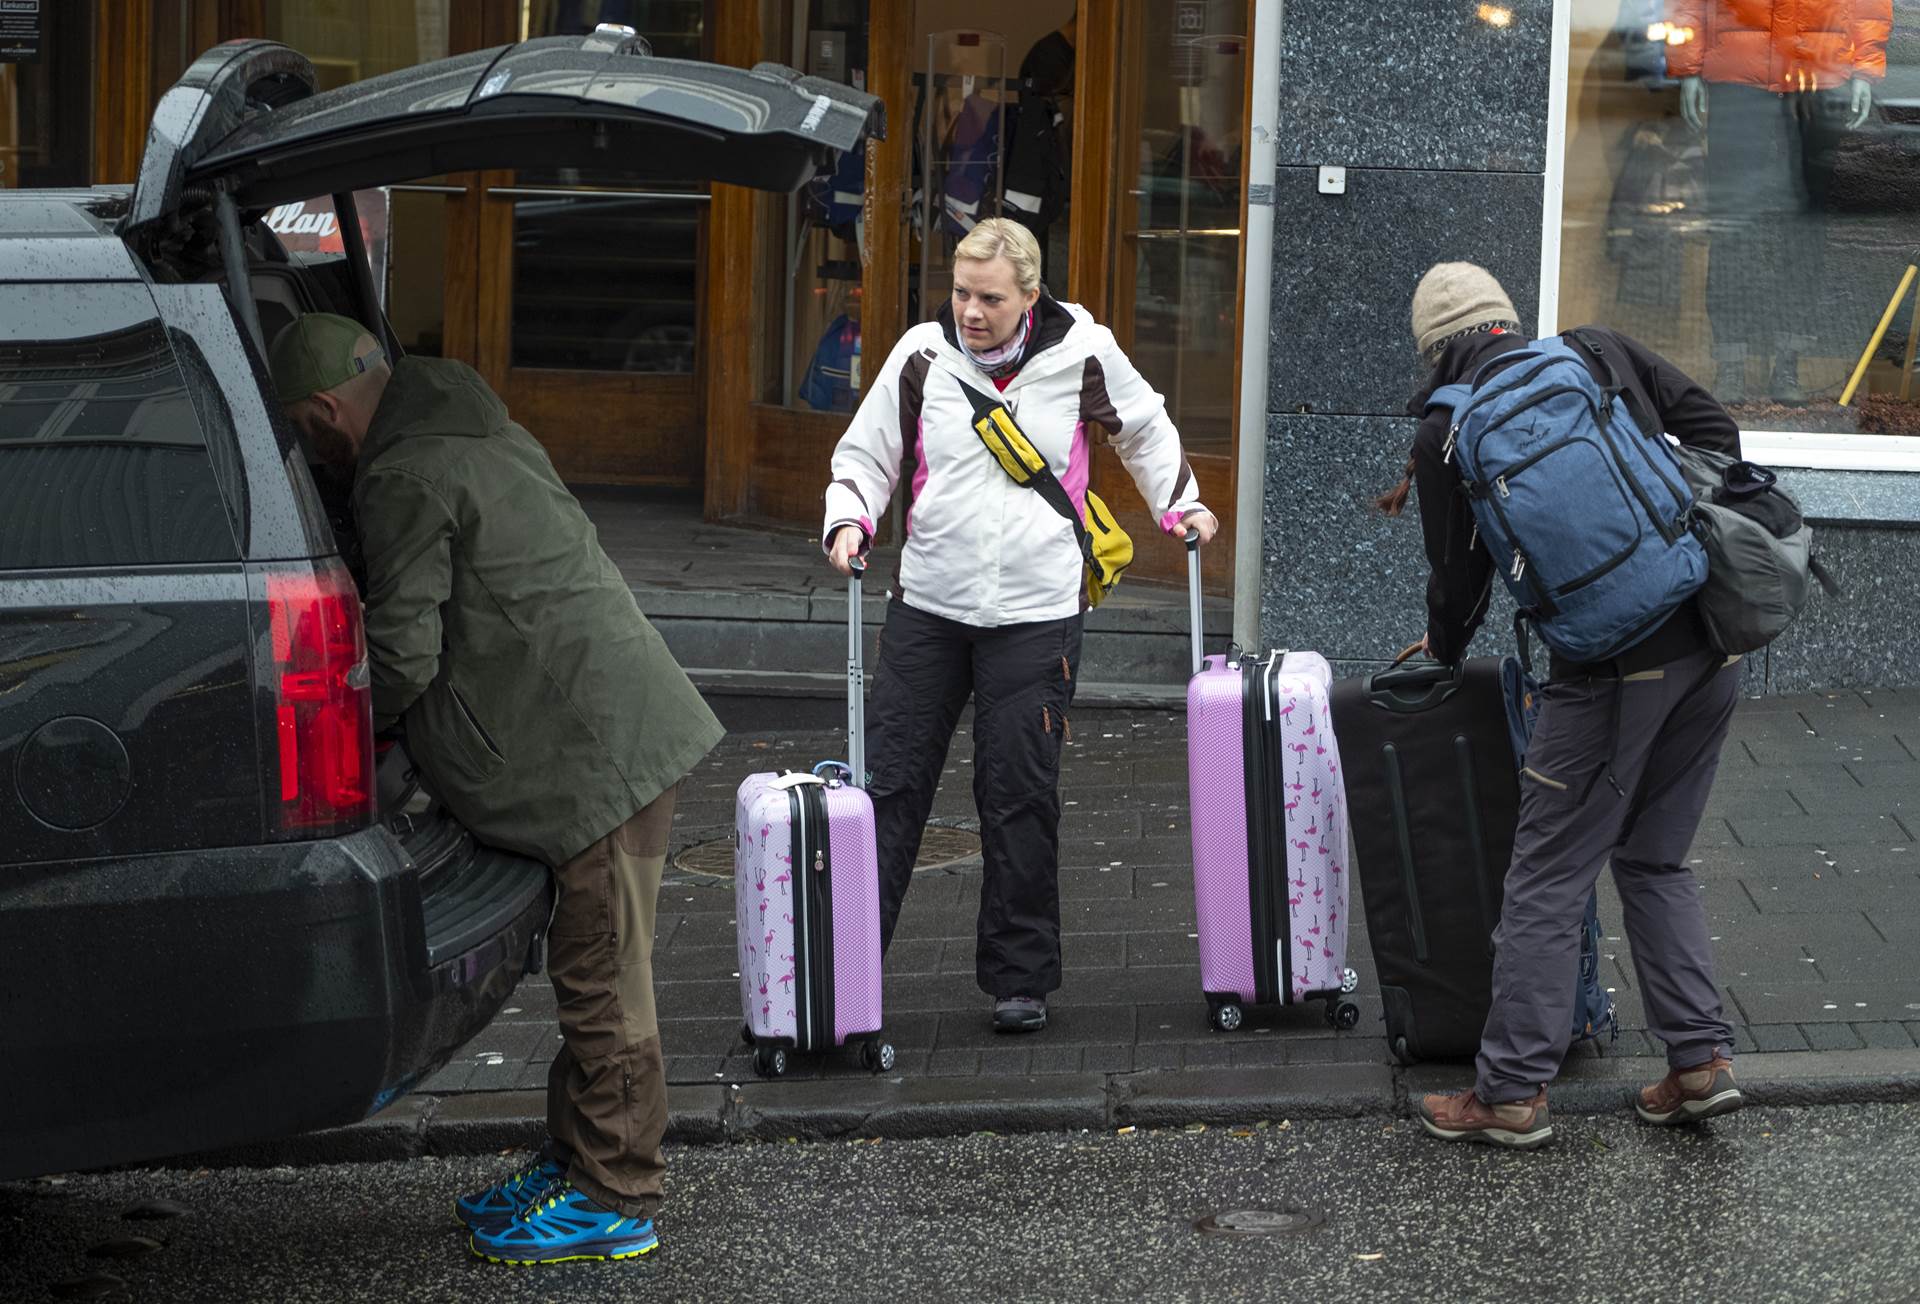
[1105, 547]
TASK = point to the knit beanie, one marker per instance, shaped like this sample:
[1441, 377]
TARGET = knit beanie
[1456, 299]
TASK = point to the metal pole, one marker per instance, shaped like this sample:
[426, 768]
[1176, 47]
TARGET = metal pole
[372, 316]
[1193, 599]
[233, 258]
[1879, 333]
[856, 681]
[1256, 325]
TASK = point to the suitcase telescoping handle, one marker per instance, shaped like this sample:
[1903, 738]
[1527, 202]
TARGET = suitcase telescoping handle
[1193, 598]
[856, 681]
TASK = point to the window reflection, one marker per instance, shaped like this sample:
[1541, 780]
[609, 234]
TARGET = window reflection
[1742, 189]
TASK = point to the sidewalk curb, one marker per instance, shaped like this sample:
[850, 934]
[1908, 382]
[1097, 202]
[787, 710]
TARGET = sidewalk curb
[923, 1108]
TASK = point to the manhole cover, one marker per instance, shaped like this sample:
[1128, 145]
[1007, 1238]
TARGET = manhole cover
[1259, 1222]
[940, 847]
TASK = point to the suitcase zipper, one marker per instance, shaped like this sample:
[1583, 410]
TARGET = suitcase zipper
[1259, 837]
[1397, 798]
[802, 951]
[1276, 801]
[820, 918]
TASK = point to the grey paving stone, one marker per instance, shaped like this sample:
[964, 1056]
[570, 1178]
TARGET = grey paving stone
[1215, 1054]
[1883, 1036]
[1067, 1024]
[1267, 1053]
[1056, 1059]
[1081, 952]
[1831, 801]
[1831, 1036]
[1159, 1055]
[1838, 894]
[1106, 1059]
[1357, 1047]
[1091, 883]
[1776, 1037]
[1900, 776]
[1010, 1059]
[1743, 1040]
[1829, 1002]
[1818, 831]
[1154, 949]
[953, 1063]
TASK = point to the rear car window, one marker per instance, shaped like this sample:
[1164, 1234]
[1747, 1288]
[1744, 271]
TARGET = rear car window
[103, 458]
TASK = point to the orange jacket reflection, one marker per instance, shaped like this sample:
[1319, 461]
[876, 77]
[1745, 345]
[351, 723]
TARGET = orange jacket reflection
[1779, 45]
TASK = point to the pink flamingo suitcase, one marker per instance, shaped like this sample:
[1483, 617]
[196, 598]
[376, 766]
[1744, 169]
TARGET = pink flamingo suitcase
[1269, 816]
[807, 900]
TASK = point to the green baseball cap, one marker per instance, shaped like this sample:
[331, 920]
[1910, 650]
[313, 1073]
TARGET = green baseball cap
[315, 352]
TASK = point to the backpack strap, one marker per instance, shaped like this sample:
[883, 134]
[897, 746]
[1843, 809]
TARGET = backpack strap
[1449, 396]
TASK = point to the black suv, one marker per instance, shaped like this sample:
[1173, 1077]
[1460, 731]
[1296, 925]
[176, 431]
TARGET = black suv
[212, 929]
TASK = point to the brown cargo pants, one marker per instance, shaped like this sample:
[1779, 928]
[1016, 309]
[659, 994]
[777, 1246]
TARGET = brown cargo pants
[607, 1089]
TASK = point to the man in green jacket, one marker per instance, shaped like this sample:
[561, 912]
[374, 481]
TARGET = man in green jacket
[549, 717]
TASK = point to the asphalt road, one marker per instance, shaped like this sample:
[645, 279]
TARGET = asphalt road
[1782, 1204]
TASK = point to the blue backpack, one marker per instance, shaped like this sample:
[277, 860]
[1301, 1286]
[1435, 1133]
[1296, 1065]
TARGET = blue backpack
[1594, 1015]
[1588, 516]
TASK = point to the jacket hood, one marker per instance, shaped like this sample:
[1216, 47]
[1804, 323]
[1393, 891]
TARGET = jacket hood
[432, 396]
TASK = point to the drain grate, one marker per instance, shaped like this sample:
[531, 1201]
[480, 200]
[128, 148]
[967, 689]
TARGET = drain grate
[941, 847]
[1259, 1222]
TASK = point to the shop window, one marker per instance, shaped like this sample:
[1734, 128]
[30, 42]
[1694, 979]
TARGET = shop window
[606, 274]
[825, 230]
[46, 98]
[1741, 188]
[1176, 256]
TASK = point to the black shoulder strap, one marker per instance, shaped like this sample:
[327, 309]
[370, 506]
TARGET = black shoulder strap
[1044, 481]
[1609, 377]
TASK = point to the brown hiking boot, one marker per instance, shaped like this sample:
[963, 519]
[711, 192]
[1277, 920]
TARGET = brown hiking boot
[1690, 1095]
[1518, 1125]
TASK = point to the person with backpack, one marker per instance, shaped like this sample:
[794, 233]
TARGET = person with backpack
[987, 417]
[1525, 463]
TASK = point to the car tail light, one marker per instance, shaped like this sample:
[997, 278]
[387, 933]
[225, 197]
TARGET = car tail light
[322, 767]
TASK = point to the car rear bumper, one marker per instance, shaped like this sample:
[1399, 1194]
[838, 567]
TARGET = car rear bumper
[162, 1004]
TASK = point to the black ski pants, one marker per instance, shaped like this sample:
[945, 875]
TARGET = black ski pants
[1021, 680]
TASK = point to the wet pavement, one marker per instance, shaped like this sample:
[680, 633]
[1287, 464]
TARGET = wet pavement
[1771, 1204]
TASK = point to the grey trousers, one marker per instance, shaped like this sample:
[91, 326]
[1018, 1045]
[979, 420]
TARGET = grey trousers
[1631, 787]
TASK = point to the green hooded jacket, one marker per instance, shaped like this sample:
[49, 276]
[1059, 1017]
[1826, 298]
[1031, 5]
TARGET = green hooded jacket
[541, 705]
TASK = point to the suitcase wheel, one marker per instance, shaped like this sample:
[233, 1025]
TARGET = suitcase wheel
[1349, 981]
[746, 1033]
[877, 1056]
[1228, 1016]
[1402, 1053]
[770, 1061]
[1343, 1015]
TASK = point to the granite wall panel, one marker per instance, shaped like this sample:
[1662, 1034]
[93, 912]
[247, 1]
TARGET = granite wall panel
[1344, 268]
[1420, 84]
[1864, 637]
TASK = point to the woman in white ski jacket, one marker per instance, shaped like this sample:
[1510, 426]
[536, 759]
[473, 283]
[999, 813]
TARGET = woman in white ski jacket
[991, 589]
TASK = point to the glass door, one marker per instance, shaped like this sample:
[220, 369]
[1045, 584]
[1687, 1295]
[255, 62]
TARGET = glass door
[590, 286]
[1175, 277]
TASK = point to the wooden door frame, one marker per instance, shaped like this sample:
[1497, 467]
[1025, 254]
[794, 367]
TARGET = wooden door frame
[1106, 120]
[766, 462]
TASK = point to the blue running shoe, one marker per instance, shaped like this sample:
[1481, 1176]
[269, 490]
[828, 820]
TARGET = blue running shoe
[507, 1199]
[563, 1227]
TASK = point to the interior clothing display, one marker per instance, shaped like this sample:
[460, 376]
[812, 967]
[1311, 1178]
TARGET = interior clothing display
[830, 385]
[972, 151]
[1781, 46]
